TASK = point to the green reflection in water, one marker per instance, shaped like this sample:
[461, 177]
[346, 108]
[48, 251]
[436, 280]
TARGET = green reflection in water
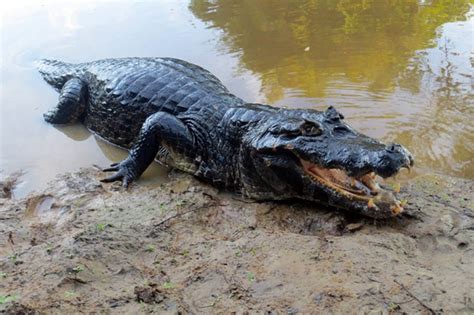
[303, 44]
[399, 70]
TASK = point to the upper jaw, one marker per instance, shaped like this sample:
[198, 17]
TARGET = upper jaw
[361, 190]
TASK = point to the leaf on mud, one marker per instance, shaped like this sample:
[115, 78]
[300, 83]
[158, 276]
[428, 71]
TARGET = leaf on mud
[168, 285]
[7, 298]
[391, 306]
[78, 269]
[101, 226]
[69, 294]
[149, 248]
[250, 276]
[13, 257]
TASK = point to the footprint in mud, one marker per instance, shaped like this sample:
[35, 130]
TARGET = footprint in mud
[44, 209]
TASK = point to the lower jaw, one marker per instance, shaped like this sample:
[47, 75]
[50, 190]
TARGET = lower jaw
[391, 206]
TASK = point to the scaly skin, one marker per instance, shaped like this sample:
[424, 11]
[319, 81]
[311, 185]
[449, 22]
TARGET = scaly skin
[181, 115]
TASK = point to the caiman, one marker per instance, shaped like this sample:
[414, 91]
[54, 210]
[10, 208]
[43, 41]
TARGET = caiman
[181, 115]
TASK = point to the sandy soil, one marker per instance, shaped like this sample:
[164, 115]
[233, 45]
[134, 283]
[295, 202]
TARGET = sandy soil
[85, 247]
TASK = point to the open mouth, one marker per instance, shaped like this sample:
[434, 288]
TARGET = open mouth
[363, 188]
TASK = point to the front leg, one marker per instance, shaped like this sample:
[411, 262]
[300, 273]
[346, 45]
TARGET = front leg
[160, 129]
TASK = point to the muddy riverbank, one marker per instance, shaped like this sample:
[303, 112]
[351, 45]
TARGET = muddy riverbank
[81, 246]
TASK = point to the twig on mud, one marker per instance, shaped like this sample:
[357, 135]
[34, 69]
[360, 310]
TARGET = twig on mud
[75, 279]
[246, 201]
[180, 214]
[209, 196]
[429, 309]
[373, 279]
[10, 238]
[270, 209]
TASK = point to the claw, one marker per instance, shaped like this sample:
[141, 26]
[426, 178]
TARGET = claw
[124, 173]
[126, 182]
[117, 176]
[408, 168]
[110, 169]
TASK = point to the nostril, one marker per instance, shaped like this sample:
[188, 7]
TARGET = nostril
[393, 147]
[399, 149]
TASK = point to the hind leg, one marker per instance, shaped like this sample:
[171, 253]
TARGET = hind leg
[71, 104]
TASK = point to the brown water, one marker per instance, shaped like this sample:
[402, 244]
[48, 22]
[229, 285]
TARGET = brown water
[399, 71]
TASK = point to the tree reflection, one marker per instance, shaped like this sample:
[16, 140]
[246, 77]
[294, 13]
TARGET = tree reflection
[444, 129]
[302, 45]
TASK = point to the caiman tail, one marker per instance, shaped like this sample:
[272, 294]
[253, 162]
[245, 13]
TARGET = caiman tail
[56, 72]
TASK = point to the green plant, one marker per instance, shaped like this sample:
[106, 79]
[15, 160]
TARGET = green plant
[101, 226]
[180, 203]
[150, 248]
[168, 285]
[7, 298]
[13, 257]
[49, 249]
[78, 269]
[250, 276]
[392, 307]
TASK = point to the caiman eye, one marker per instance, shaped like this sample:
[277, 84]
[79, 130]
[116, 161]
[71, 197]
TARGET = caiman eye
[310, 129]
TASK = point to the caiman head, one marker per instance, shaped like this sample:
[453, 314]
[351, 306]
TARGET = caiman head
[315, 156]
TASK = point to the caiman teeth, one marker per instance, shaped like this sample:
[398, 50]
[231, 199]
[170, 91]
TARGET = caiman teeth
[396, 208]
[363, 188]
[337, 179]
[371, 203]
[408, 168]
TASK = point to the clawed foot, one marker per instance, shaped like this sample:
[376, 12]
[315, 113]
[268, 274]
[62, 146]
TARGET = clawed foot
[124, 172]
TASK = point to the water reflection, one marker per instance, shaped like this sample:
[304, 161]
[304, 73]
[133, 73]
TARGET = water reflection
[305, 44]
[399, 70]
[443, 133]
[76, 132]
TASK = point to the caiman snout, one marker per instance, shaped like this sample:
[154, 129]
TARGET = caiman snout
[394, 147]
[395, 156]
[399, 149]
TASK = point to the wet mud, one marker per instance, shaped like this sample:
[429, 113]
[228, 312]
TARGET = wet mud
[81, 246]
